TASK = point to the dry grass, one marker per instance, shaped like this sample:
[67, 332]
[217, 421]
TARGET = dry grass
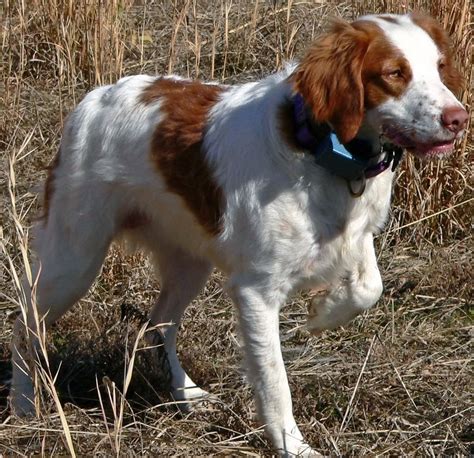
[396, 381]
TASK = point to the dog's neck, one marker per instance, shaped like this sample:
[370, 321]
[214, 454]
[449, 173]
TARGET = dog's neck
[357, 159]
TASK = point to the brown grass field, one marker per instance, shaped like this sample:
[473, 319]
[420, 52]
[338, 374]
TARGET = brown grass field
[397, 381]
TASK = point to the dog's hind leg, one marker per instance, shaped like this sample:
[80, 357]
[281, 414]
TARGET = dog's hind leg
[70, 250]
[182, 278]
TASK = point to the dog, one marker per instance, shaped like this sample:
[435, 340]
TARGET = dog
[280, 183]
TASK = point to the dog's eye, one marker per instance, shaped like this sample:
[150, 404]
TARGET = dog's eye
[441, 65]
[395, 73]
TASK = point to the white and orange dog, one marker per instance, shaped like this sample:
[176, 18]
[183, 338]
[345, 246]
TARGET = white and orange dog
[207, 175]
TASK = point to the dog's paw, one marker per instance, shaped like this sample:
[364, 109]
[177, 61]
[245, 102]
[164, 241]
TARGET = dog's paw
[205, 405]
[316, 323]
[294, 444]
[306, 451]
[330, 309]
[301, 449]
[193, 399]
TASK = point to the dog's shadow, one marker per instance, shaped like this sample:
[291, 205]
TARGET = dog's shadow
[87, 370]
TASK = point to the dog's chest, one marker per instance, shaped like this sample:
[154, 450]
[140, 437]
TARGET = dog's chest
[322, 239]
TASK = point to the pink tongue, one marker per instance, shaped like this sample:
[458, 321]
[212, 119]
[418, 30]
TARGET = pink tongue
[435, 149]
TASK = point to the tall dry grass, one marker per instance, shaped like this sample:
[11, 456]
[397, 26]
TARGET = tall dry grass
[67, 48]
[53, 51]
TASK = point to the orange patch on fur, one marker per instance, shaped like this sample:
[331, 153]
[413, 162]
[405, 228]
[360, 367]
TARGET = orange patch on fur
[329, 79]
[176, 146]
[449, 74]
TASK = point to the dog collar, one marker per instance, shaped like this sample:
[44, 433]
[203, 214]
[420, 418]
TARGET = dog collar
[347, 161]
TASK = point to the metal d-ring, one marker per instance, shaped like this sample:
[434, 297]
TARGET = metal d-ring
[360, 191]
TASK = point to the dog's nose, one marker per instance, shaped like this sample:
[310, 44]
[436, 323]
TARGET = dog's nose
[454, 118]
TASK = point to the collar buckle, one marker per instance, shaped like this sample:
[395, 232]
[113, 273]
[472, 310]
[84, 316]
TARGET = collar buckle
[358, 192]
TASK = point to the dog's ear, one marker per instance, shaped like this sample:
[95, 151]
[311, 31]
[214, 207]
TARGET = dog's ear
[330, 79]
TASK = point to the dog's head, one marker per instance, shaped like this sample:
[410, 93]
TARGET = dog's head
[385, 75]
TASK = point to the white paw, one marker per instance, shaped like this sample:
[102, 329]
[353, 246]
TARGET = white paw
[301, 449]
[306, 451]
[294, 445]
[329, 310]
[191, 399]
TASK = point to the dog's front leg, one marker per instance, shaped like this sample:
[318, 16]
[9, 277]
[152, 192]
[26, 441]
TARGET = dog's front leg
[258, 309]
[358, 291]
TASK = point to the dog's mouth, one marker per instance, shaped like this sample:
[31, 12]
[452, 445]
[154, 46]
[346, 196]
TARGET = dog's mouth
[432, 150]
[424, 150]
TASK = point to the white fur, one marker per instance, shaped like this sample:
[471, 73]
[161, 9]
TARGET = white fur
[417, 113]
[287, 224]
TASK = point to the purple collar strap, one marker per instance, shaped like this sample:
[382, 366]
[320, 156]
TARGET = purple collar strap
[393, 154]
[349, 161]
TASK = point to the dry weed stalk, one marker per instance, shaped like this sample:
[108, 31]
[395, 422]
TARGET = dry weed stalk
[40, 372]
[118, 405]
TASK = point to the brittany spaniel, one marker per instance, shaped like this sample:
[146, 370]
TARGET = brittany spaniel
[280, 183]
